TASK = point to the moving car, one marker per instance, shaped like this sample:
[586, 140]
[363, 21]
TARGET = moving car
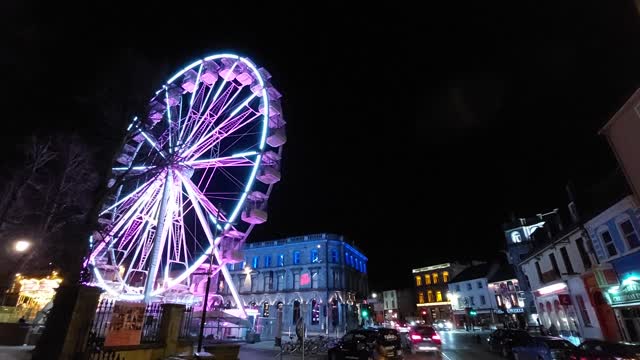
[545, 348]
[425, 338]
[604, 350]
[364, 344]
[443, 325]
[503, 340]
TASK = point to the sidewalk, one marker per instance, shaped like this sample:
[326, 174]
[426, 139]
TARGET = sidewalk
[15, 352]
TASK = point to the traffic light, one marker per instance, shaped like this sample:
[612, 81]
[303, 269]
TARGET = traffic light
[473, 312]
[365, 312]
[424, 312]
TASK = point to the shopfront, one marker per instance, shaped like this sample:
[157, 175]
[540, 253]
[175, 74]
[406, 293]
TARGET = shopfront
[557, 312]
[625, 297]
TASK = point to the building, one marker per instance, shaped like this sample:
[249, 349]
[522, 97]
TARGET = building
[302, 275]
[491, 292]
[622, 132]
[616, 241]
[432, 284]
[556, 271]
[398, 304]
[520, 241]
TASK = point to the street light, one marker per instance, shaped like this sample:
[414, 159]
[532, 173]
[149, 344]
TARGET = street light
[21, 246]
[374, 295]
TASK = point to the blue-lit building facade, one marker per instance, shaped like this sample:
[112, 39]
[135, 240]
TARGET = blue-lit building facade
[302, 274]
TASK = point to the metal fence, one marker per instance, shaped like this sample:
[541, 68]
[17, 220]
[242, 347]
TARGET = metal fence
[187, 324]
[104, 315]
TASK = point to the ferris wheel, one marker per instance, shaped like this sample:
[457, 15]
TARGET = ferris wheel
[192, 180]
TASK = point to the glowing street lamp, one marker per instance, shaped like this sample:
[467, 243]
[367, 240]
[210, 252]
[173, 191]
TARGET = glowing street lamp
[374, 295]
[21, 246]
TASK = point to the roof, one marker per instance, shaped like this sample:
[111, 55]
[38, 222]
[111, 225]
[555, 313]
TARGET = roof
[472, 272]
[503, 272]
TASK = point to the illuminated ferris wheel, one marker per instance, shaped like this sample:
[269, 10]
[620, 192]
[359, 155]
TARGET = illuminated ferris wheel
[196, 174]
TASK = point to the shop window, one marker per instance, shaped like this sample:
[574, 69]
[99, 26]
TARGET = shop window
[418, 280]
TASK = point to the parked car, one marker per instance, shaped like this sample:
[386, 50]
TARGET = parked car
[545, 348]
[388, 344]
[425, 338]
[503, 340]
[604, 350]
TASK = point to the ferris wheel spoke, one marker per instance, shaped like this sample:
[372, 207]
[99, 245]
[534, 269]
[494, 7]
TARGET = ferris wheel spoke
[233, 160]
[226, 128]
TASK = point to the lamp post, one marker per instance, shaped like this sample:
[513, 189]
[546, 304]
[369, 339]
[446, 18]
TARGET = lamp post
[21, 246]
[208, 286]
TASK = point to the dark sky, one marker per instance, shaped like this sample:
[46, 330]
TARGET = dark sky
[415, 130]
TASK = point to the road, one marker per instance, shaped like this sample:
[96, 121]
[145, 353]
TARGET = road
[456, 345]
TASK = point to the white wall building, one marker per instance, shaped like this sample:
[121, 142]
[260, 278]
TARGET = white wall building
[555, 272]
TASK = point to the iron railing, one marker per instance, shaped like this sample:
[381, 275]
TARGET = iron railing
[186, 325]
[104, 314]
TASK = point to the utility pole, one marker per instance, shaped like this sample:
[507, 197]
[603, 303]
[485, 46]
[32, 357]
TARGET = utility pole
[206, 291]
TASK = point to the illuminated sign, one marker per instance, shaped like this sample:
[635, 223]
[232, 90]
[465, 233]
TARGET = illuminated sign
[627, 292]
[305, 279]
[515, 237]
[551, 289]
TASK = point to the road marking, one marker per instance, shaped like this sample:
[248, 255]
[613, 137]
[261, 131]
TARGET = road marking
[445, 355]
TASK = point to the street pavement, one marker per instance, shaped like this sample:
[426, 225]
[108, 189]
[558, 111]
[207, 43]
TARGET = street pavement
[456, 345]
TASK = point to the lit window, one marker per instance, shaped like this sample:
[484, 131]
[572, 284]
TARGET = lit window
[267, 261]
[281, 260]
[421, 297]
[255, 262]
[315, 258]
[435, 278]
[427, 279]
[334, 255]
[438, 296]
[445, 276]
[296, 257]
[430, 296]
[418, 280]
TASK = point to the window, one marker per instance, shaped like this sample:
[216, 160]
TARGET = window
[629, 234]
[539, 271]
[457, 287]
[586, 261]
[393, 303]
[314, 279]
[421, 297]
[583, 310]
[315, 258]
[296, 257]
[255, 262]
[281, 283]
[281, 260]
[469, 287]
[499, 300]
[296, 281]
[510, 285]
[567, 261]
[336, 279]
[427, 279]
[554, 264]
[418, 280]
[346, 258]
[435, 278]
[267, 261]
[608, 243]
[429, 296]
[483, 301]
[315, 312]
[334, 255]
[438, 296]
[296, 311]
[479, 284]
[268, 281]
[445, 276]
[472, 300]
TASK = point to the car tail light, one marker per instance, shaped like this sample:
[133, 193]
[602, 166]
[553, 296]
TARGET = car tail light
[416, 337]
[435, 337]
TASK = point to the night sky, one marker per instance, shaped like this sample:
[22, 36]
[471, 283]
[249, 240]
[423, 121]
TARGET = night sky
[414, 131]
